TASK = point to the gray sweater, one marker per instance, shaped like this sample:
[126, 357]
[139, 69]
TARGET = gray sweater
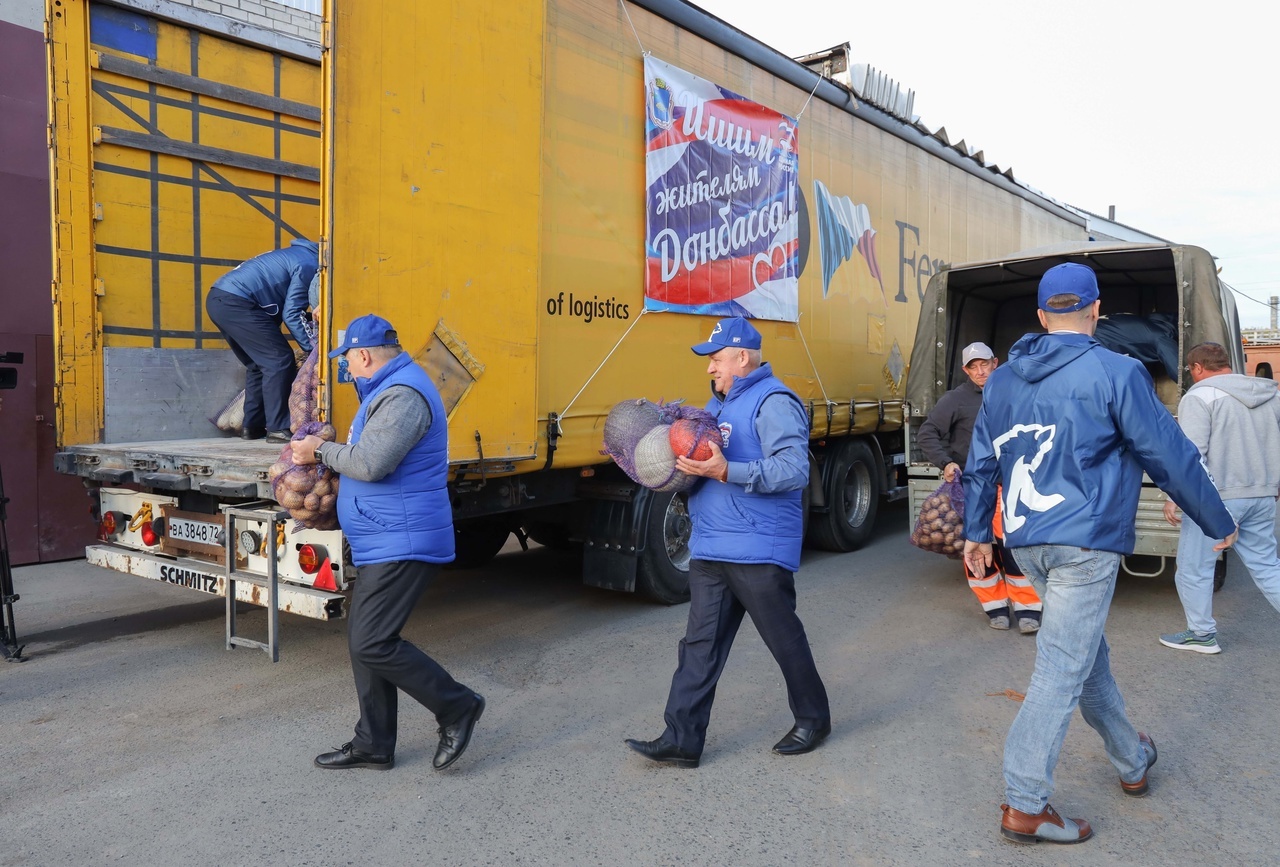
[1235, 422]
[397, 418]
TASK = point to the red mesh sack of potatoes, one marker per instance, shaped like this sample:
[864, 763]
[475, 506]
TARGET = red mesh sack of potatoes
[308, 491]
[304, 393]
[692, 437]
[940, 527]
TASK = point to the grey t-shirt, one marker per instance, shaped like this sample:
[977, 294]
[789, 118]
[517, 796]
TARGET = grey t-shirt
[397, 419]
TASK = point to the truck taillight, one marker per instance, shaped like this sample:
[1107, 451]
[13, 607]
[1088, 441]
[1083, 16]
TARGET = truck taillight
[109, 523]
[310, 557]
[149, 535]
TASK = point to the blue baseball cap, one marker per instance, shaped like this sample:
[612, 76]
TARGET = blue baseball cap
[1068, 278]
[364, 332]
[737, 333]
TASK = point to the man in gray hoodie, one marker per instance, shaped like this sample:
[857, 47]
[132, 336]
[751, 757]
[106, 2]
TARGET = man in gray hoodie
[1235, 422]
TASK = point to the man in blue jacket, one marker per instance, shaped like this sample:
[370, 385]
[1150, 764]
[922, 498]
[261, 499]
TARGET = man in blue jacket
[394, 509]
[747, 530]
[1069, 427]
[248, 304]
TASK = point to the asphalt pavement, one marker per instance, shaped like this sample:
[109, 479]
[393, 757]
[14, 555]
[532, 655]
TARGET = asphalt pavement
[132, 736]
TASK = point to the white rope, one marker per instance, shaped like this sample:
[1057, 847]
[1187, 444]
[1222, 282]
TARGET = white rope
[807, 101]
[599, 367]
[623, 4]
[822, 388]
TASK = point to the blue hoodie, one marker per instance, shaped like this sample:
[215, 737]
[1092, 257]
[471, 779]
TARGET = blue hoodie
[1068, 427]
[277, 281]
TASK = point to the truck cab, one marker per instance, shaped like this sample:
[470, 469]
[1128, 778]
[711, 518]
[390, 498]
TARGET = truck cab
[1158, 301]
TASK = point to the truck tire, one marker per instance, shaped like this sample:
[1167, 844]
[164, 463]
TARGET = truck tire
[662, 568]
[477, 542]
[853, 498]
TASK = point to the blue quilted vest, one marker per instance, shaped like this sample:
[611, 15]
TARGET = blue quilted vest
[405, 515]
[730, 524]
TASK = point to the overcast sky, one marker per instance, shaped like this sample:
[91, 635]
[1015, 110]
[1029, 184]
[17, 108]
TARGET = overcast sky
[1159, 109]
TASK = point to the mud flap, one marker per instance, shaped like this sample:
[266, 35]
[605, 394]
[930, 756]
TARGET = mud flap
[613, 532]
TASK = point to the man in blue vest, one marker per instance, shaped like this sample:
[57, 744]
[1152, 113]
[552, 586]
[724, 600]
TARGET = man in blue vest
[248, 304]
[748, 524]
[394, 509]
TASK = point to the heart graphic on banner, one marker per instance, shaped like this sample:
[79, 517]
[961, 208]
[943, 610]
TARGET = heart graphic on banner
[764, 265]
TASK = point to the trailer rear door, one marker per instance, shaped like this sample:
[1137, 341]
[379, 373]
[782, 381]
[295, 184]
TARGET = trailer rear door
[176, 154]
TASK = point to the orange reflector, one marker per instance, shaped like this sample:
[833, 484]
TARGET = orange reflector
[310, 558]
[108, 525]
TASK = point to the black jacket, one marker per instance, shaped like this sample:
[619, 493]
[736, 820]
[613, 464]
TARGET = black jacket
[944, 436]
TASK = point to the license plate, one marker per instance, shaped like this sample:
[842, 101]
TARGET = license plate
[186, 530]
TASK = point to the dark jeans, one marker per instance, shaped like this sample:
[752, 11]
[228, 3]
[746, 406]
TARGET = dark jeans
[720, 593]
[254, 336]
[384, 597]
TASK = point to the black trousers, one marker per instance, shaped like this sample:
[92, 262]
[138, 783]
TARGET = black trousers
[720, 593]
[254, 336]
[384, 597]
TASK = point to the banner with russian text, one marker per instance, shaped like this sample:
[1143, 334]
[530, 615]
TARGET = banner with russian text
[723, 196]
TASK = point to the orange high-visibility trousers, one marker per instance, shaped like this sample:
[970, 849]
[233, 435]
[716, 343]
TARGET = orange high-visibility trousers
[1003, 586]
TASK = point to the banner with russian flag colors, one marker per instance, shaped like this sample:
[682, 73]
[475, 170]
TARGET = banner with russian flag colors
[723, 200]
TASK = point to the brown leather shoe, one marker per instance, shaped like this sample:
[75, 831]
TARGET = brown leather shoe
[1138, 789]
[1046, 826]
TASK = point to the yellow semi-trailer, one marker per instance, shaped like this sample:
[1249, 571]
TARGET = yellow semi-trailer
[485, 190]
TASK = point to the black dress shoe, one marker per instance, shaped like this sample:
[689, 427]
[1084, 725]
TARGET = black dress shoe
[252, 433]
[800, 740]
[348, 756]
[279, 436]
[662, 750]
[454, 738]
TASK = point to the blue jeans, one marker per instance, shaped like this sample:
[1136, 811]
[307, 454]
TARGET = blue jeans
[1256, 549]
[1072, 667]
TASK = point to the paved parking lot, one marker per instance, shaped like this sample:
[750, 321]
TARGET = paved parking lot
[131, 736]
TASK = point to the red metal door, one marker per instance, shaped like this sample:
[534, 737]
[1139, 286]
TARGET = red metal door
[18, 458]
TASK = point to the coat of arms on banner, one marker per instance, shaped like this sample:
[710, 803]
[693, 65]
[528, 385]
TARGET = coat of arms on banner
[722, 200]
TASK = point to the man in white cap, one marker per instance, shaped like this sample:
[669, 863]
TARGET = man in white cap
[944, 438]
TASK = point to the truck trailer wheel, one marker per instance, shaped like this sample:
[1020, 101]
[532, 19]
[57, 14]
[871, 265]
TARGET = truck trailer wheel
[662, 569]
[477, 542]
[853, 497]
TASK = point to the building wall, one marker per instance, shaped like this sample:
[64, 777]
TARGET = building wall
[262, 21]
[1262, 353]
[290, 18]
